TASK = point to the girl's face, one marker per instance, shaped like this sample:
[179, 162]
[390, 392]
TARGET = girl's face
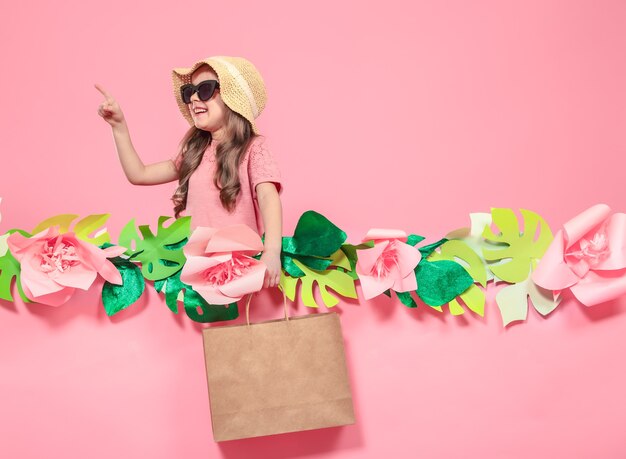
[214, 118]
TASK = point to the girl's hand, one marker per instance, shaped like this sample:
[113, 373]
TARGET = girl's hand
[272, 274]
[110, 109]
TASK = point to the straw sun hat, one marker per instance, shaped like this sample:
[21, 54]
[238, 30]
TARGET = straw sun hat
[241, 86]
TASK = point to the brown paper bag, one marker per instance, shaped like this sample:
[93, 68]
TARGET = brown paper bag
[277, 376]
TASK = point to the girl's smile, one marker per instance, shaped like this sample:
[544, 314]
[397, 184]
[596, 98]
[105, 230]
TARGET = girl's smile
[197, 110]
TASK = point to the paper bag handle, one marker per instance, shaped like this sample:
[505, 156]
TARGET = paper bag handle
[248, 307]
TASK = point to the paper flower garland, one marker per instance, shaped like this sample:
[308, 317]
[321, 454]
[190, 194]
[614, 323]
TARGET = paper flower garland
[211, 269]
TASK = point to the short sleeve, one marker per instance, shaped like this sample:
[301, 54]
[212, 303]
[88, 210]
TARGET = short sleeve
[263, 167]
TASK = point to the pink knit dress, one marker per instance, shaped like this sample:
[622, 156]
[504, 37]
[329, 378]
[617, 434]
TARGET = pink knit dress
[203, 198]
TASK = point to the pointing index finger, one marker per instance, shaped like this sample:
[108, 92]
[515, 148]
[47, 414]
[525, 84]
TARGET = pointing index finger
[103, 92]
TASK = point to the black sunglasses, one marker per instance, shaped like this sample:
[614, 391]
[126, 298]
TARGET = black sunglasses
[205, 90]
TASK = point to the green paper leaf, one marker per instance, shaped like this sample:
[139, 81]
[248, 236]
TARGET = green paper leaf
[208, 312]
[196, 307]
[159, 284]
[439, 282]
[315, 235]
[161, 255]
[314, 240]
[351, 254]
[430, 248]
[288, 285]
[177, 245]
[335, 279]
[518, 252]
[290, 267]
[341, 260]
[458, 251]
[474, 299]
[91, 224]
[9, 269]
[512, 301]
[118, 297]
[83, 228]
[406, 299]
[473, 237]
[461, 253]
[174, 291]
[414, 239]
[64, 222]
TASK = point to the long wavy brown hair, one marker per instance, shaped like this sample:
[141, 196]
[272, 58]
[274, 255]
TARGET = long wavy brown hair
[228, 156]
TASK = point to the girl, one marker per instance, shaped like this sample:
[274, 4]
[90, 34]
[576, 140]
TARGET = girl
[225, 172]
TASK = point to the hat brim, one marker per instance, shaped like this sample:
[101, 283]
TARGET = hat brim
[182, 76]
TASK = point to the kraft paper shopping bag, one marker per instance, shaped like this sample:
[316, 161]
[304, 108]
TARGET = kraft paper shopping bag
[277, 376]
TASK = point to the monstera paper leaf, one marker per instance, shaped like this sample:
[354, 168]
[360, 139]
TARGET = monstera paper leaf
[10, 269]
[161, 255]
[337, 277]
[472, 236]
[463, 254]
[512, 301]
[83, 227]
[350, 252]
[516, 255]
[516, 250]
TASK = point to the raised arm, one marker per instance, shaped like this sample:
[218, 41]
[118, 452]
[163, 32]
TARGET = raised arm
[136, 171]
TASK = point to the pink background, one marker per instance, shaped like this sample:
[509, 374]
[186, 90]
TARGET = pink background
[396, 114]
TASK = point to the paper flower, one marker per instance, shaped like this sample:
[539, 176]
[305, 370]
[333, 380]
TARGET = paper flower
[387, 265]
[219, 265]
[588, 256]
[53, 265]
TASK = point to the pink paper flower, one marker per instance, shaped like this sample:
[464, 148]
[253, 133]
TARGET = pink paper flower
[588, 256]
[387, 265]
[53, 265]
[219, 266]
